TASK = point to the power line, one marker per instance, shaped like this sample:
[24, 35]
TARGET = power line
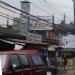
[10, 17]
[49, 8]
[20, 10]
[40, 8]
[53, 7]
[60, 5]
[12, 11]
[9, 9]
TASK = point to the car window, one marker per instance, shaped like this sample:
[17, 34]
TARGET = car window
[3, 60]
[24, 60]
[14, 62]
[37, 60]
[0, 67]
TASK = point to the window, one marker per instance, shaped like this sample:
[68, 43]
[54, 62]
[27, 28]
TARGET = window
[14, 62]
[24, 60]
[3, 60]
[37, 60]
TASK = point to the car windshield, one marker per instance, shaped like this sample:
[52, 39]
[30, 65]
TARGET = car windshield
[3, 60]
[37, 60]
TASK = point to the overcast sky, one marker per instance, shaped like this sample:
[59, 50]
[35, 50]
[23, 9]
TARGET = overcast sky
[55, 7]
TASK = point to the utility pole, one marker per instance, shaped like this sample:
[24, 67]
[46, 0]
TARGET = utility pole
[7, 22]
[53, 25]
[74, 14]
[64, 24]
[64, 19]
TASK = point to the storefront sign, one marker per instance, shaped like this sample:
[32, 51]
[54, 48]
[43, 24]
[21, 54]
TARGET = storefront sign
[52, 35]
[41, 23]
[34, 38]
[68, 41]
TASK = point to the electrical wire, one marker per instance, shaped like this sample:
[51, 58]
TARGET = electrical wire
[54, 7]
[12, 11]
[18, 13]
[21, 10]
[61, 5]
[49, 9]
[15, 11]
[40, 8]
[10, 17]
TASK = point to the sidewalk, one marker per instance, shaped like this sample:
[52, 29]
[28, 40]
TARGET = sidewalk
[70, 71]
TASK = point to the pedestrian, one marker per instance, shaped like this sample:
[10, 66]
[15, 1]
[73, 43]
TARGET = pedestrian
[65, 62]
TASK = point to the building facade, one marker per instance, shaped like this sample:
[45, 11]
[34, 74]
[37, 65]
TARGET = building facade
[24, 18]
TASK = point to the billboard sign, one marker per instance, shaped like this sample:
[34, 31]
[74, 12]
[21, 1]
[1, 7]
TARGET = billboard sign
[41, 23]
[68, 41]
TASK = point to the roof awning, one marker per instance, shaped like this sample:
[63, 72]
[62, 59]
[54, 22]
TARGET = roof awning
[52, 47]
[12, 42]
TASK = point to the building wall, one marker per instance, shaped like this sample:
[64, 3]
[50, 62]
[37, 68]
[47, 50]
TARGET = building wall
[52, 35]
[24, 18]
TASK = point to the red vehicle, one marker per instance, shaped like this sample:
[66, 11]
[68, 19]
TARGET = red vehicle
[22, 62]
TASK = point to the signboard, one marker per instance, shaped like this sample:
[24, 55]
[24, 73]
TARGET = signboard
[41, 23]
[68, 41]
[35, 38]
[52, 35]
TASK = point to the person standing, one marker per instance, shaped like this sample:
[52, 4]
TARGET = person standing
[65, 62]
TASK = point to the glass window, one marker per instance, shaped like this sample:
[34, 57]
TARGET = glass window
[3, 60]
[14, 62]
[37, 60]
[24, 60]
[40, 60]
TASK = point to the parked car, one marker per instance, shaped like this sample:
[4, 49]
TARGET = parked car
[22, 62]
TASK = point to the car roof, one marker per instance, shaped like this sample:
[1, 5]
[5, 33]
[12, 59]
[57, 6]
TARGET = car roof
[20, 52]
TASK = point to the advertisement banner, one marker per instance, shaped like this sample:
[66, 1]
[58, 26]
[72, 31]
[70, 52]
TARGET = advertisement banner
[41, 23]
